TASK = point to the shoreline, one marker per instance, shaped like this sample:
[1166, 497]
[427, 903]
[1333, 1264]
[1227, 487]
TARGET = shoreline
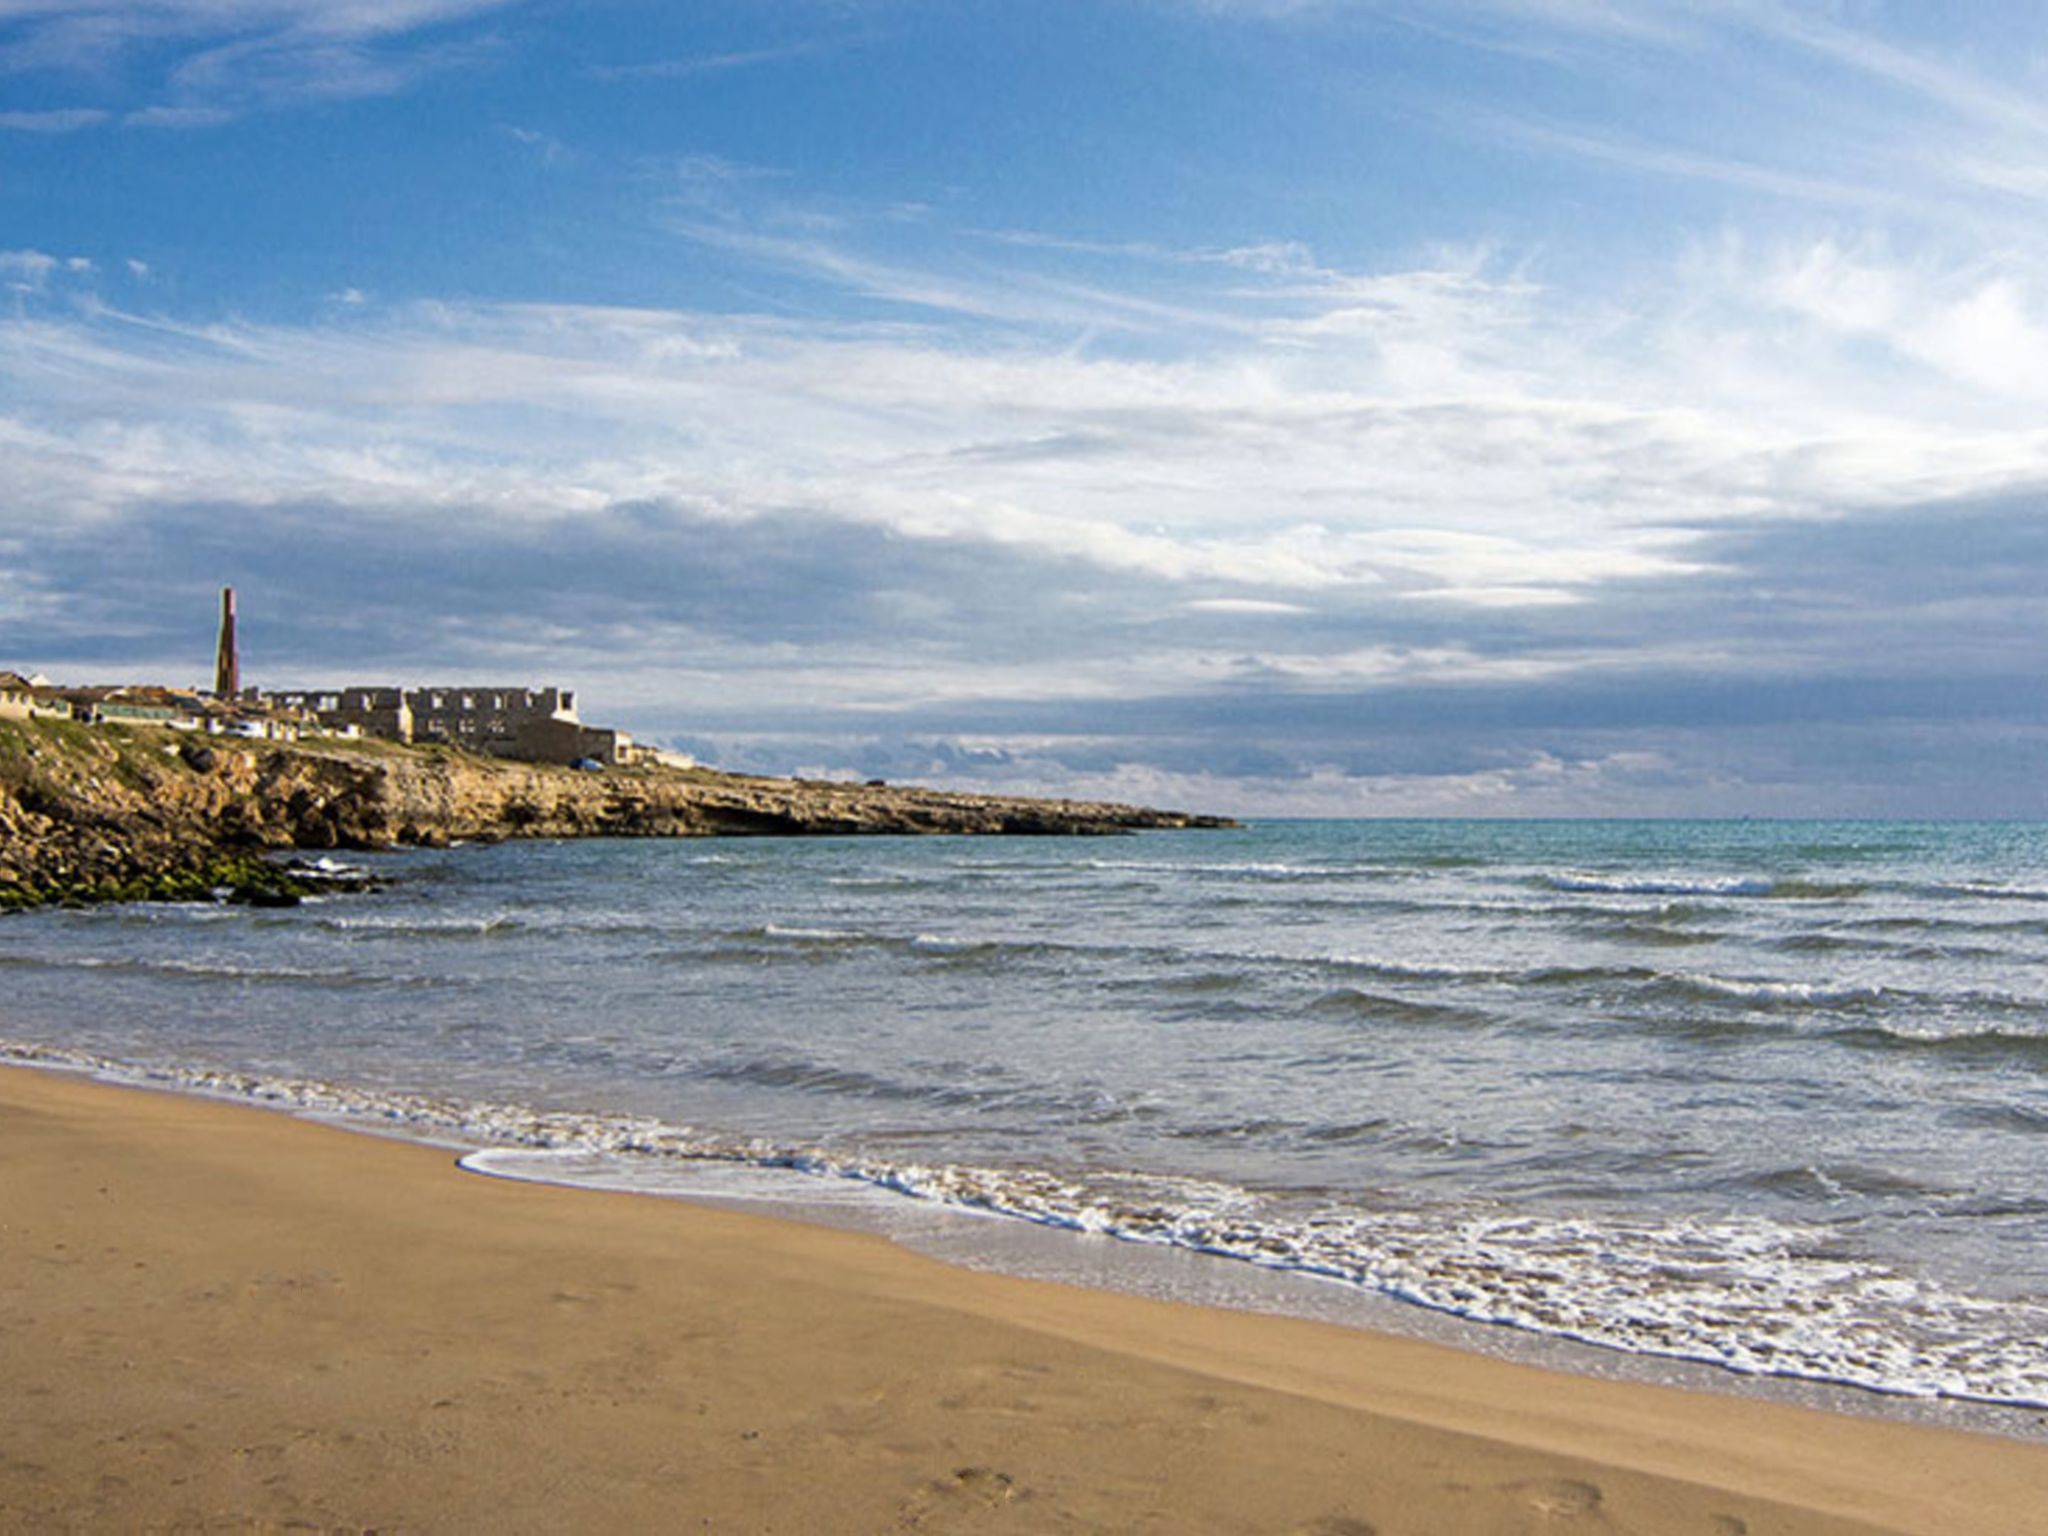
[522, 1144]
[215, 1314]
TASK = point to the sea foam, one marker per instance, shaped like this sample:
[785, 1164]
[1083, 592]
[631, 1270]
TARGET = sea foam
[1752, 1295]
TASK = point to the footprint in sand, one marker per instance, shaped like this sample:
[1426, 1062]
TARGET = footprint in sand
[971, 1486]
[1336, 1525]
[1560, 1498]
[983, 1483]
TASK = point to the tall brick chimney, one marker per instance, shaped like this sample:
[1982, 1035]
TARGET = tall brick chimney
[227, 662]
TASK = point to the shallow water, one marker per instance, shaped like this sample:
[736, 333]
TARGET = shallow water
[1769, 1096]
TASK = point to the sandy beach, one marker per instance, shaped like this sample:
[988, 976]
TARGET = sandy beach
[216, 1317]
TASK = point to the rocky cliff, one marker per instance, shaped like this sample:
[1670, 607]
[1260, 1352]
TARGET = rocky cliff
[119, 814]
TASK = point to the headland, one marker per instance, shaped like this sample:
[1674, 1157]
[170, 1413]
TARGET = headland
[139, 812]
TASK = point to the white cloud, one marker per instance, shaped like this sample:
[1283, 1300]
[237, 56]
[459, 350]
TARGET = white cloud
[712, 63]
[34, 266]
[1245, 605]
[1680, 163]
[119, 21]
[61, 120]
[1423, 435]
[177, 117]
[1983, 327]
[229, 55]
[550, 150]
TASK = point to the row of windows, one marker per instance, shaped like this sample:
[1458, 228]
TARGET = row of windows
[467, 702]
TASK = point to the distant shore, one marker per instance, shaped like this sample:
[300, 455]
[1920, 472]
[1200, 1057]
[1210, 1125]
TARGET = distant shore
[117, 813]
[217, 1315]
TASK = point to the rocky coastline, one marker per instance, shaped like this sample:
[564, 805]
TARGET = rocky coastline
[93, 814]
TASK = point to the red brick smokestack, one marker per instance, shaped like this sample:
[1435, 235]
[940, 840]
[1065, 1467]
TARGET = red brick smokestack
[227, 663]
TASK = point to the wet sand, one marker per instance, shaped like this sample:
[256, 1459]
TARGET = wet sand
[214, 1317]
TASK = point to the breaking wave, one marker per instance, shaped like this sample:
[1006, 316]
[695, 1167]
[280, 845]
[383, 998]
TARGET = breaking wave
[1753, 1295]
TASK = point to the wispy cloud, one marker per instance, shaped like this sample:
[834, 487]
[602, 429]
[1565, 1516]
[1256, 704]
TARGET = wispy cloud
[217, 57]
[1810, 105]
[1971, 94]
[695, 65]
[1532, 472]
[1682, 164]
[1008, 296]
[177, 117]
[30, 271]
[61, 120]
[547, 148]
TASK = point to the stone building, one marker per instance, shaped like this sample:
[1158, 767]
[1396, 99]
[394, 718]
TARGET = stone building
[571, 741]
[381, 712]
[486, 719]
[535, 725]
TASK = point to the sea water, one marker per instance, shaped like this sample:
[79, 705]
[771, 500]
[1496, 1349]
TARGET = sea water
[1770, 1096]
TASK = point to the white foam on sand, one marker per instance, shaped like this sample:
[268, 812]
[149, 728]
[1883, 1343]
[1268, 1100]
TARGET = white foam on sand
[1752, 1296]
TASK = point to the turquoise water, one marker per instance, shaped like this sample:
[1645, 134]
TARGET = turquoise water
[1768, 1095]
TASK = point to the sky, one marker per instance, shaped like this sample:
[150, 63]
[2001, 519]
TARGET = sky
[1271, 407]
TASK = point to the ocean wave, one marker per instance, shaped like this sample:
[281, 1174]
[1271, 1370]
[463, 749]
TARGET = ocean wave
[1351, 1002]
[815, 943]
[941, 944]
[1765, 993]
[1640, 885]
[1367, 965]
[2024, 1118]
[1654, 931]
[1974, 1043]
[1753, 1295]
[1257, 1129]
[1778, 889]
[327, 868]
[1840, 1181]
[381, 926]
[1241, 869]
[1452, 976]
[791, 934]
[818, 1077]
[1158, 966]
[1345, 1132]
[941, 1087]
[213, 970]
[1985, 890]
[1205, 983]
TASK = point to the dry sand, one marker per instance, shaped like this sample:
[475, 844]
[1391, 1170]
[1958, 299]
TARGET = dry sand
[213, 1317]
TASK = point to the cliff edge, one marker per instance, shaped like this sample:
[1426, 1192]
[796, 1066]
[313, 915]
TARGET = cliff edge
[111, 813]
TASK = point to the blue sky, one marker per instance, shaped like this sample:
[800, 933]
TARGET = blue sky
[1478, 407]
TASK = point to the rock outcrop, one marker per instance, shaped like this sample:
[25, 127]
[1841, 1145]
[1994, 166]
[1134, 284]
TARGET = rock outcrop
[120, 814]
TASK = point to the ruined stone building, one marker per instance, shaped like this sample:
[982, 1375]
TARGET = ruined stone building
[380, 712]
[536, 725]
